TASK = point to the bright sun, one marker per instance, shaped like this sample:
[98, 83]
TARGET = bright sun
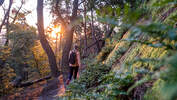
[54, 31]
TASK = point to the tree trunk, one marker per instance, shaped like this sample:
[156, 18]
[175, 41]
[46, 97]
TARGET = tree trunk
[108, 35]
[68, 39]
[43, 40]
[93, 32]
[85, 25]
[7, 31]
[6, 15]
[36, 63]
[7, 23]
[67, 47]
[18, 81]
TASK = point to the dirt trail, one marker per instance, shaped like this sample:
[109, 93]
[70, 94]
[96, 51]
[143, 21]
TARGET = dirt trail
[54, 90]
[45, 90]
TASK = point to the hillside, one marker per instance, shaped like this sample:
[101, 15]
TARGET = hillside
[132, 67]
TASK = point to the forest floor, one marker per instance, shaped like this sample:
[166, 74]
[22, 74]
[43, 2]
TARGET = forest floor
[54, 91]
[45, 90]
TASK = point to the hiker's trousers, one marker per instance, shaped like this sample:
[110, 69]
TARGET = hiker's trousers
[73, 70]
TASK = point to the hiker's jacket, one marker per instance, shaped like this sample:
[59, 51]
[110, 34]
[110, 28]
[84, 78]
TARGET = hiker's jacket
[78, 62]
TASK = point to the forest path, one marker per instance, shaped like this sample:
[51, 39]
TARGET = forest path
[45, 90]
[56, 88]
[53, 90]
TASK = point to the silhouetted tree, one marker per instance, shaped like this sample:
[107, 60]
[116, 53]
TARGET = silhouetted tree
[43, 40]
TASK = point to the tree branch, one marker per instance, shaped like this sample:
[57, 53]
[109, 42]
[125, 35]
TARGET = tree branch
[94, 43]
[14, 19]
[59, 14]
[6, 15]
[74, 11]
[17, 82]
[81, 2]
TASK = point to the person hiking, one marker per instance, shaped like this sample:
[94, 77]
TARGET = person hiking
[74, 63]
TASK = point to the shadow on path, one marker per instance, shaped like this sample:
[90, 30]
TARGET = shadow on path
[53, 89]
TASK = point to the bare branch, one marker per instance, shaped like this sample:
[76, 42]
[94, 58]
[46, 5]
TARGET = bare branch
[6, 15]
[4, 10]
[81, 2]
[14, 19]
[74, 11]
[58, 13]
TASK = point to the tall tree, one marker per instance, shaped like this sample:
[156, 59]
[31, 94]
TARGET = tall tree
[85, 25]
[14, 19]
[43, 40]
[68, 27]
[92, 28]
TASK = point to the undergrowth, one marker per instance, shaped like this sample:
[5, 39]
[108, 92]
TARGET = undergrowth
[99, 83]
[148, 69]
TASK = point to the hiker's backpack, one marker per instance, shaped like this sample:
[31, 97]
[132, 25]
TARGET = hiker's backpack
[72, 57]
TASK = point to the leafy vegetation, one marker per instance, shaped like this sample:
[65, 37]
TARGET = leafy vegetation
[129, 49]
[149, 51]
